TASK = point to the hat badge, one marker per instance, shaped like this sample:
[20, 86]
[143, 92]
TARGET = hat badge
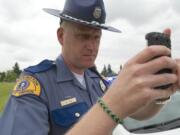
[97, 12]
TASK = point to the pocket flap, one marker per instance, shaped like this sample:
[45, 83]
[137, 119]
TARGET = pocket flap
[68, 115]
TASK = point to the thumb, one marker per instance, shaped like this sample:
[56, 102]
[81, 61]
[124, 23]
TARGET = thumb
[167, 31]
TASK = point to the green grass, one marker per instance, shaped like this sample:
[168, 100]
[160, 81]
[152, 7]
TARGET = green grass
[5, 91]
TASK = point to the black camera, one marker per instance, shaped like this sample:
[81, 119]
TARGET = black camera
[157, 38]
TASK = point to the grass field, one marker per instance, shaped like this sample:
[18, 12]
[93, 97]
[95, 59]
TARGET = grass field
[5, 91]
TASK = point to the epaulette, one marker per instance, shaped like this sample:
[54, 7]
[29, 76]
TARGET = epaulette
[41, 67]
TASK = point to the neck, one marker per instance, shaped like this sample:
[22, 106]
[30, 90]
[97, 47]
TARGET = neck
[77, 71]
[74, 68]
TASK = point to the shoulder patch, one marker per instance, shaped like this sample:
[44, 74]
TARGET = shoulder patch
[27, 85]
[41, 67]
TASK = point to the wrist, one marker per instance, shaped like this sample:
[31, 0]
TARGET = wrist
[115, 106]
[115, 117]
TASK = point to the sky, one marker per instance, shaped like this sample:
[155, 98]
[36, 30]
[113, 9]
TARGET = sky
[28, 34]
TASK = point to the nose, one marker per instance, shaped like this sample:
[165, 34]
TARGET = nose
[91, 44]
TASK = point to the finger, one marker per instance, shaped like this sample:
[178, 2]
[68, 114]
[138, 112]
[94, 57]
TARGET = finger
[178, 72]
[175, 88]
[158, 64]
[167, 31]
[163, 94]
[149, 53]
[153, 81]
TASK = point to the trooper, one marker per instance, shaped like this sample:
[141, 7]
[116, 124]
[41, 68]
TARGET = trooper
[50, 97]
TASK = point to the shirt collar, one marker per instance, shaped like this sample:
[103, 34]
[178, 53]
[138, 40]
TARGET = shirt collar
[64, 73]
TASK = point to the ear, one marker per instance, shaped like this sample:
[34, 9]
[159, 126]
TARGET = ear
[60, 33]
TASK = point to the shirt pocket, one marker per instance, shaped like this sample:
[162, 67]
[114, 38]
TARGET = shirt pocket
[66, 116]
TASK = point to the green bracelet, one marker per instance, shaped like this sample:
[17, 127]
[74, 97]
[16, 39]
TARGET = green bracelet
[109, 112]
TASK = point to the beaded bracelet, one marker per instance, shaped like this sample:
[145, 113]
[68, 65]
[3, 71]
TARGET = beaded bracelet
[109, 112]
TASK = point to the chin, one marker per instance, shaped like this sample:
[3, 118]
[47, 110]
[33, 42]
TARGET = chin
[88, 65]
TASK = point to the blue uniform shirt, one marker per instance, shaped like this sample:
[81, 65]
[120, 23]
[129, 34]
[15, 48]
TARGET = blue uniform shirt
[48, 100]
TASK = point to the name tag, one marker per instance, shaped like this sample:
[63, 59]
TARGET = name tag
[68, 101]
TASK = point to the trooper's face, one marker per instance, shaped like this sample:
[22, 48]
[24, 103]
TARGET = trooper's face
[80, 45]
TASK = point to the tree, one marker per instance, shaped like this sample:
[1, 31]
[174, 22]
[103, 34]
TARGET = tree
[10, 76]
[2, 76]
[110, 72]
[16, 69]
[104, 71]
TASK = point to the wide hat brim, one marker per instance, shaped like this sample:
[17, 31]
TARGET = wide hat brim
[59, 13]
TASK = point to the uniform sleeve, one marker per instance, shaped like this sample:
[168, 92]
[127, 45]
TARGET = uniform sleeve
[25, 115]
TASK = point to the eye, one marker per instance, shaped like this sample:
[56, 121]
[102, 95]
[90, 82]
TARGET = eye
[97, 38]
[85, 37]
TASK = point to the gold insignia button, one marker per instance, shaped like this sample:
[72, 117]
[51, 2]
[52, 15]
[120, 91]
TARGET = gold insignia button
[97, 12]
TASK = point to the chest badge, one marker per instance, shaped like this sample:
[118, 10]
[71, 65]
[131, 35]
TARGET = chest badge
[68, 101]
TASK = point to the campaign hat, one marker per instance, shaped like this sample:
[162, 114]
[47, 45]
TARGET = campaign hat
[87, 12]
